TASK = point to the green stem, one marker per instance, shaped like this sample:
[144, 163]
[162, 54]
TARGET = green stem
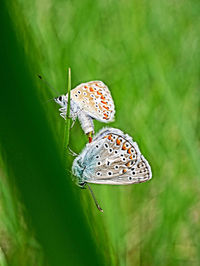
[67, 121]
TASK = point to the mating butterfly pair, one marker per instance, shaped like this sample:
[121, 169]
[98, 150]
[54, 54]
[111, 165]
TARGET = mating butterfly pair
[112, 157]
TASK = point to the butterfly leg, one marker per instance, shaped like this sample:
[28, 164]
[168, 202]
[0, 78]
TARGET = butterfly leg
[64, 116]
[63, 110]
[72, 152]
[73, 122]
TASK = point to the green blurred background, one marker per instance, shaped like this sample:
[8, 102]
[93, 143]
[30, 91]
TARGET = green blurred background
[147, 52]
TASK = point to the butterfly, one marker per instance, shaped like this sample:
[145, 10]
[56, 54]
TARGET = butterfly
[112, 158]
[90, 100]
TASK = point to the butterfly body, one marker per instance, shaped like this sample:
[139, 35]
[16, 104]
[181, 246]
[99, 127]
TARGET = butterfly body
[112, 158]
[91, 100]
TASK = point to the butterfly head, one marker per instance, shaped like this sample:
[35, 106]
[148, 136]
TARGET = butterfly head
[61, 100]
[77, 170]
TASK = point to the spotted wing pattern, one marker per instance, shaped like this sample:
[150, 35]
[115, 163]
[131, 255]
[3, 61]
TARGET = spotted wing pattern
[114, 158]
[95, 99]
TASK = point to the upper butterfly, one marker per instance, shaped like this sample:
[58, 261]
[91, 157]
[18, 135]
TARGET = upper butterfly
[91, 100]
[112, 158]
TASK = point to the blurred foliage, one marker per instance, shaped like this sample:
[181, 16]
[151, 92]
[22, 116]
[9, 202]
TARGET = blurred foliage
[147, 52]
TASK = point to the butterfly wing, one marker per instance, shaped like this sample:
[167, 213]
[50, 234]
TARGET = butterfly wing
[95, 99]
[114, 158]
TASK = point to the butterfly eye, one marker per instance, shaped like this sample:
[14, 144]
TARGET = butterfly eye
[60, 98]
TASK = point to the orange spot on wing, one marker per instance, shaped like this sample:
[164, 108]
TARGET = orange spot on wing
[129, 151]
[128, 164]
[103, 102]
[110, 137]
[102, 97]
[91, 89]
[124, 147]
[131, 157]
[107, 108]
[124, 171]
[118, 142]
[85, 87]
[99, 93]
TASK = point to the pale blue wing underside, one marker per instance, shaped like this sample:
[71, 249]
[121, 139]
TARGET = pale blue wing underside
[112, 158]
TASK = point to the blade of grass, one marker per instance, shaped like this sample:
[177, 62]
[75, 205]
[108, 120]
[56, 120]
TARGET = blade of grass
[34, 165]
[67, 121]
[3, 261]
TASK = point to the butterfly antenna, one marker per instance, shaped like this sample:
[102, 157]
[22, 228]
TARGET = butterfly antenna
[93, 196]
[52, 99]
[47, 83]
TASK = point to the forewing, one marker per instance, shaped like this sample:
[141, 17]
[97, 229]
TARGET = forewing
[95, 99]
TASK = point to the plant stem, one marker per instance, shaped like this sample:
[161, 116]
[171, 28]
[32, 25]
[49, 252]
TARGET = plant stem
[67, 121]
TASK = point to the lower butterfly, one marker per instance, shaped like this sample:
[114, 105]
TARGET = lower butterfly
[112, 158]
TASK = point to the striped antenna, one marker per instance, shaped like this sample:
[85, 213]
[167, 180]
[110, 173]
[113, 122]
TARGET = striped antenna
[95, 200]
[47, 83]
